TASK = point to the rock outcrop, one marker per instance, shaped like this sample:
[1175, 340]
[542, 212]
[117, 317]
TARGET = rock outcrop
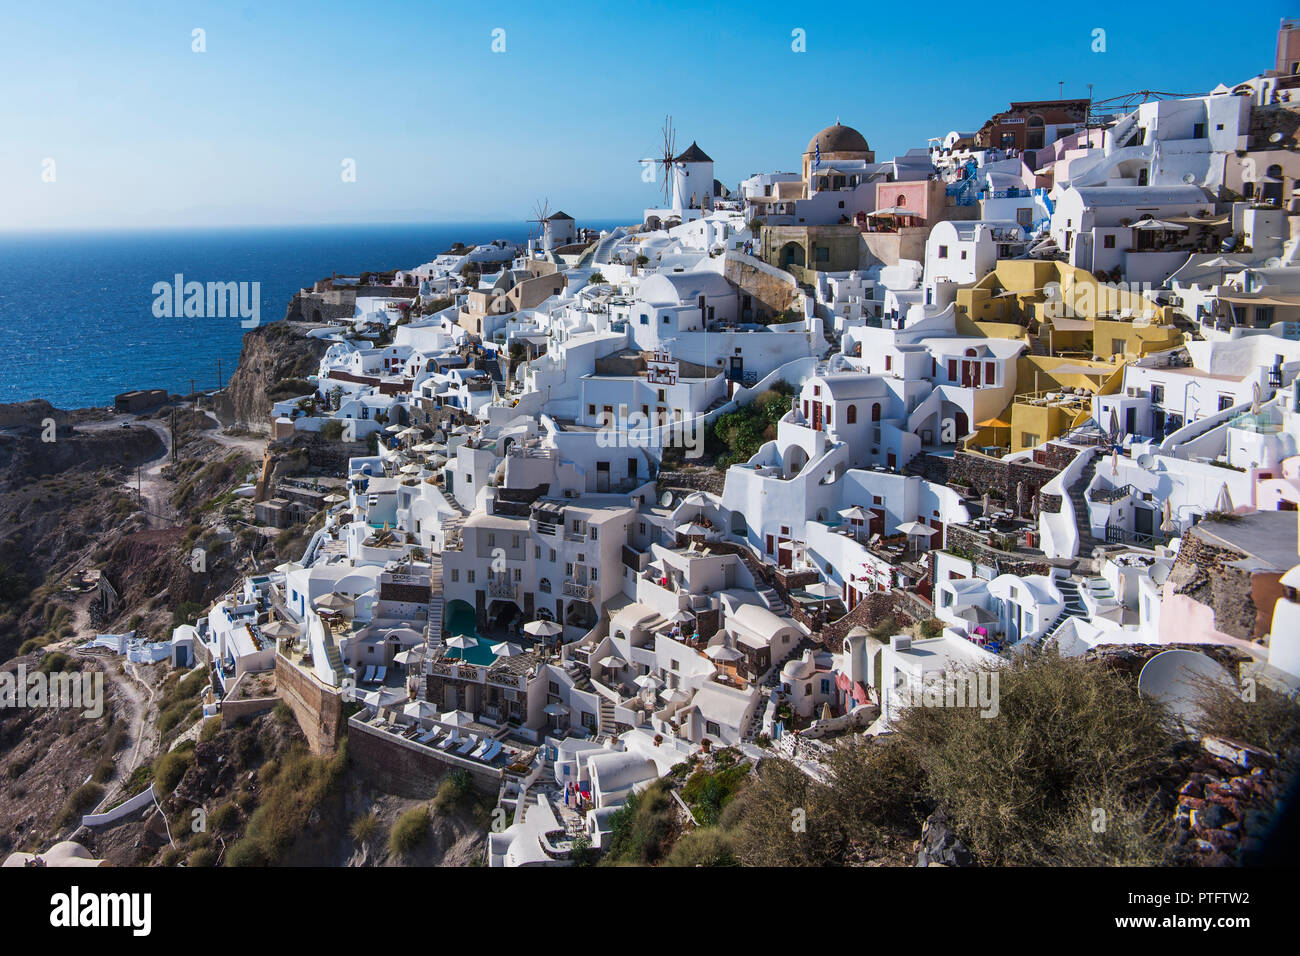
[271, 354]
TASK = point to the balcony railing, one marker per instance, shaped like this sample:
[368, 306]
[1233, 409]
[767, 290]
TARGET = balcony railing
[576, 590]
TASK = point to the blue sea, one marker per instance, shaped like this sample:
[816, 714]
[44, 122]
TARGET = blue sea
[77, 308]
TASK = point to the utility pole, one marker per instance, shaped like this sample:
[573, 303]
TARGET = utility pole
[218, 374]
[173, 429]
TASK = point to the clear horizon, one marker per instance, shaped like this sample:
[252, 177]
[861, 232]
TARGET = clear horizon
[117, 123]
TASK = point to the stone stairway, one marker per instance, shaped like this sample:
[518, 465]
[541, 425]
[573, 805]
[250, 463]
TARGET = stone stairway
[1078, 496]
[607, 723]
[433, 629]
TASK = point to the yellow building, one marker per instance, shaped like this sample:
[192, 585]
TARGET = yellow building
[1080, 332]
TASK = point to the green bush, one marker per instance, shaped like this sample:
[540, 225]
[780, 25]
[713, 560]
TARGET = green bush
[298, 788]
[204, 856]
[169, 768]
[641, 830]
[366, 828]
[80, 802]
[225, 817]
[707, 847]
[409, 832]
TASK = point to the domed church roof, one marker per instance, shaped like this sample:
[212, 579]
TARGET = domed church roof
[838, 139]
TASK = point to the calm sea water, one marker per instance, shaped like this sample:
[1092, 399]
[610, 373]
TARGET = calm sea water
[76, 309]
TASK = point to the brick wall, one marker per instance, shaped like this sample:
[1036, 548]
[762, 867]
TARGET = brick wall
[317, 708]
[996, 474]
[407, 769]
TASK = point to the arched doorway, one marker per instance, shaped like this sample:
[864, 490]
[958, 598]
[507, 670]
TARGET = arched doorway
[792, 254]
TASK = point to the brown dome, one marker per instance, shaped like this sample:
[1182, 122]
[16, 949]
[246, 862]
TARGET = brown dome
[838, 139]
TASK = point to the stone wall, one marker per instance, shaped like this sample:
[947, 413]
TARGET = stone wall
[407, 769]
[317, 708]
[868, 612]
[697, 479]
[1204, 572]
[769, 294]
[980, 472]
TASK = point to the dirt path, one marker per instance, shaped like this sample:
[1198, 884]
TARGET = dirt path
[140, 700]
[155, 492]
[250, 445]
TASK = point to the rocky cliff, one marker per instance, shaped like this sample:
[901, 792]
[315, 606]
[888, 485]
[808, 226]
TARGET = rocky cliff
[271, 354]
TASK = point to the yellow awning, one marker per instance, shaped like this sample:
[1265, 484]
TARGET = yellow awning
[994, 423]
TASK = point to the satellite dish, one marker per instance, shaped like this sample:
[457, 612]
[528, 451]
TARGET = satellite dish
[1189, 178]
[1275, 137]
[666, 499]
[1146, 461]
[1177, 678]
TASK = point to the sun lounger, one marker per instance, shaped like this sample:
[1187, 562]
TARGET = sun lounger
[446, 744]
[427, 736]
[494, 748]
[467, 746]
[481, 749]
[379, 674]
[369, 676]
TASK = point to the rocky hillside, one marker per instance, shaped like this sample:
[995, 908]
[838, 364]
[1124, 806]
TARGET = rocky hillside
[272, 354]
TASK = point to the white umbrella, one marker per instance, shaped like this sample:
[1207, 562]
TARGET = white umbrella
[556, 710]
[383, 696]
[915, 528]
[279, 629]
[823, 590]
[461, 642]
[681, 617]
[425, 446]
[1147, 224]
[648, 681]
[1167, 524]
[507, 649]
[611, 662]
[407, 658]
[420, 708]
[691, 529]
[456, 718]
[334, 499]
[543, 628]
[1224, 503]
[408, 432]
[721, 652]
[856, 513]
[393, 429]
[333, 602]
[410, 469]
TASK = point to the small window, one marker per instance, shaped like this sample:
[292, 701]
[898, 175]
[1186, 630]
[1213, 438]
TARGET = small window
[943, 252]
[1108, 242]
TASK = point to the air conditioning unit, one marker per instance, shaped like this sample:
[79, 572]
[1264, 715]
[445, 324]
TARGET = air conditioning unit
[1131, 392]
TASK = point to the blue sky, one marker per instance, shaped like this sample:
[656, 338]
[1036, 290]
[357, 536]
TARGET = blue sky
[145, 132]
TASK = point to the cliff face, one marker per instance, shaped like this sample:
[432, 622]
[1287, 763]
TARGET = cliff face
[270, 354]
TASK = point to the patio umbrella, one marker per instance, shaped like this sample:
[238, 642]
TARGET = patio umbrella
[696, 498]
[383, 696]
[691, 529]
[333, 602]
[543, 628]
[1149, 224]
[334, 499]
[976, 614]
[410, 469]
[556, 710]
[611, 662]
[424, 446]
[456, 718]
[461, 642]
[856, 513]
[507, 649]
[420, 708]
[682, 617]
[410, 657]
[408, 432]
[278, 629]
[1224, 502]
[1167, 524]
[393, 429]
[721, 652]
[648, 682]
